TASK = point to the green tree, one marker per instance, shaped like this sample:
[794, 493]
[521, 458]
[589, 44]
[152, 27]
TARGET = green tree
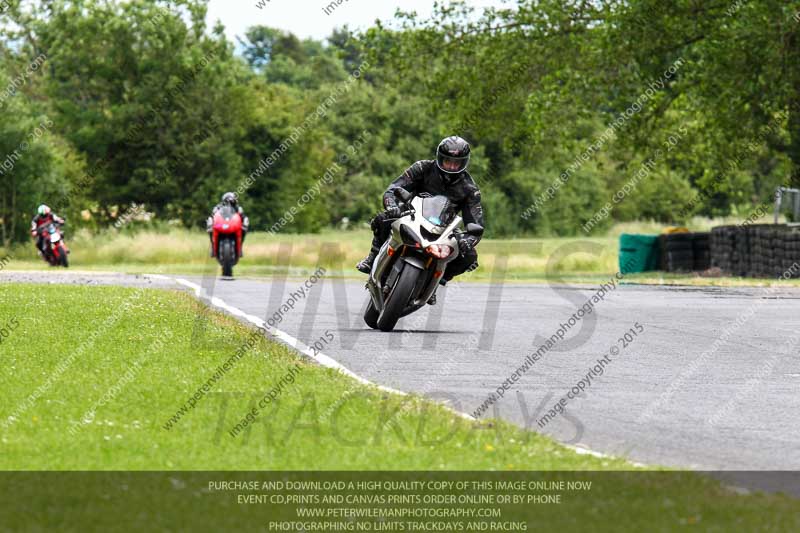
[36, 167]
[142, 95]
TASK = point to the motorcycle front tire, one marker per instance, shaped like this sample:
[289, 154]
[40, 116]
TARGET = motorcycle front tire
[227, 257]
[371, 315]
[398, 298]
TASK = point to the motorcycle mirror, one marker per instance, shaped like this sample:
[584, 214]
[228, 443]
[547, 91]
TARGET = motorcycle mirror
[475, 229]
[403, 194]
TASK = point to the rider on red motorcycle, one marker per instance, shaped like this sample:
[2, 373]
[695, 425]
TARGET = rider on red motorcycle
[43, 218]
[229, 198]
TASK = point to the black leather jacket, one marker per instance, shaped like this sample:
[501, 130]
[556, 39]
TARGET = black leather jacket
[425, 176]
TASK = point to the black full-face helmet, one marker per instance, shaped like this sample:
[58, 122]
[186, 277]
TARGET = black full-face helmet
[230, 198]
[452, 157]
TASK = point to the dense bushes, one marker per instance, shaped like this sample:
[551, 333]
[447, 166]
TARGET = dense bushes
[151, 106]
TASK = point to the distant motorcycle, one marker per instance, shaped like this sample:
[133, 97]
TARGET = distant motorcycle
[409, 266]
[55, 249]
[226, 238]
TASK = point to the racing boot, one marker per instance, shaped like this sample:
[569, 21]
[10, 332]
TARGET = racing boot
[365, 265]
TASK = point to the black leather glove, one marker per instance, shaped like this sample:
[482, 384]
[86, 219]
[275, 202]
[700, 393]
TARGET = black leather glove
[393, 212]
[466, 243]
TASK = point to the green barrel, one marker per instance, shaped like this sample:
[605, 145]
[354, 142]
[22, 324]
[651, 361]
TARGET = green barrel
[638, 253]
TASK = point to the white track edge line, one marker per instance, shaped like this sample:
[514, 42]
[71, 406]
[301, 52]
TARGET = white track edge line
[330, 362]
[284, 337]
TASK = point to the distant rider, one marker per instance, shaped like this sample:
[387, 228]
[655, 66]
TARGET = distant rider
[44, 217]
[446, 175]
[228, 199]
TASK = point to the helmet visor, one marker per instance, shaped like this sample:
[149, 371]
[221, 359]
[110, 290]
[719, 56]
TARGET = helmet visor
[452, 165]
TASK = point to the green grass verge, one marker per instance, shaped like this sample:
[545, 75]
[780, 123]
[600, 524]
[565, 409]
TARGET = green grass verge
[165, 347]
[130, 358]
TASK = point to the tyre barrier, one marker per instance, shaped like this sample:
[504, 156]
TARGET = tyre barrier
[684, 252]
[757, 250]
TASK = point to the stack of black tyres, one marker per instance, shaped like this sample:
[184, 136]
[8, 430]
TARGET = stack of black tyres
[766, 256]
[760, 251]
[723, 245]
[748, 242]
[701, 251]
[776, 269]
[677, 252]
[756, 250]
[791, 259]
[742, 256]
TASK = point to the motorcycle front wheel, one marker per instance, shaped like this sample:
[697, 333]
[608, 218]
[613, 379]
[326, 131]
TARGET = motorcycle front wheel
[371, 315]
[62, 256]
[227, 257]
[398, 298]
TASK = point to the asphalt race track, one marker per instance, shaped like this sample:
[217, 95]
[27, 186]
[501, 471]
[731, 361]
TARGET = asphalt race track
[677, 395]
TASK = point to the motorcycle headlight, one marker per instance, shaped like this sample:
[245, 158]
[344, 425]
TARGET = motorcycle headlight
[439, 251]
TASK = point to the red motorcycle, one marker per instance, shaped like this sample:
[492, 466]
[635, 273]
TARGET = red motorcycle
[55, 249]
[226, 239]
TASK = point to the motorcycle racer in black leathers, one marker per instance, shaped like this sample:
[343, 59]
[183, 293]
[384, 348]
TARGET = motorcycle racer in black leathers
[446, 175]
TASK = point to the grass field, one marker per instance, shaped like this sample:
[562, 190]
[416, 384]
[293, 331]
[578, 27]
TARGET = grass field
[540, 260]
[187, 251]
[92, 376]
[155, 349]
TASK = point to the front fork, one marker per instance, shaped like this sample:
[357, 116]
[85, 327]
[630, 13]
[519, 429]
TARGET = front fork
[214, 243]
[384, 261]
[378, 268]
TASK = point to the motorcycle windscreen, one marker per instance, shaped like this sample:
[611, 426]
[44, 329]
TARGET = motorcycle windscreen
[227, 212]
[437, 210]
[54, 236]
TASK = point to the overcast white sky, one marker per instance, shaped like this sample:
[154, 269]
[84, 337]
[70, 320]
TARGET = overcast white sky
[306, 18]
